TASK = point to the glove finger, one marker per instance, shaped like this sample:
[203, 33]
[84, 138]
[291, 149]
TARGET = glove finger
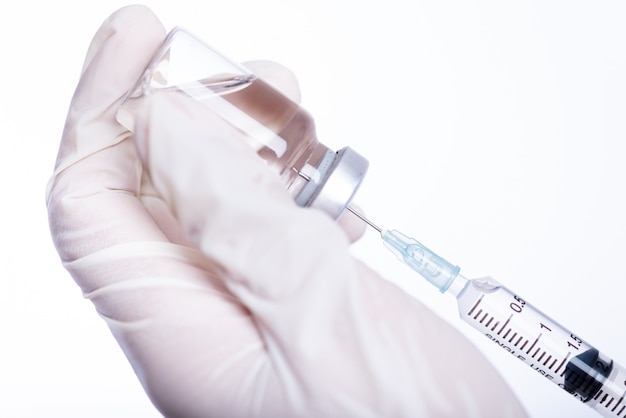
[220, 190]
[353, 227]
[96, 168]
[118, 53]
[227, 200]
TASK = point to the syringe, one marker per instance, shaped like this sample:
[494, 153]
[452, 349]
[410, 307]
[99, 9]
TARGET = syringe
[519, 328]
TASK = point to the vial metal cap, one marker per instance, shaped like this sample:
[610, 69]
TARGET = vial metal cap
[341, 182]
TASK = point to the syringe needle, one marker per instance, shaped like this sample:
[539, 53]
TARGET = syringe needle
[364, 219]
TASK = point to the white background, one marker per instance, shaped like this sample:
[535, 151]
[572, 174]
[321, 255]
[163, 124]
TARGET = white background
[495, 132]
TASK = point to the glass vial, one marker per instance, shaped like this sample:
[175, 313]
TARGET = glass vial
[280, 130]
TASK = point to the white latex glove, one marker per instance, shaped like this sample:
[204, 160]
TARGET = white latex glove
[227, 298]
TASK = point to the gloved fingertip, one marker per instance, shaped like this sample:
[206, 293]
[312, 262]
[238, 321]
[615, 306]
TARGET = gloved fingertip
[180, 141]
[278, 76]
[352, 226]
[150, 116]
[171, 120]
[117, 55]
[136, 21]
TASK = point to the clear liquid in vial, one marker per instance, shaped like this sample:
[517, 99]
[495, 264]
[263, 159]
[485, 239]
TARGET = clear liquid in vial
[291, 141]
[280, 130]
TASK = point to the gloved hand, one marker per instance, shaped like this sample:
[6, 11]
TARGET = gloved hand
[227, 298]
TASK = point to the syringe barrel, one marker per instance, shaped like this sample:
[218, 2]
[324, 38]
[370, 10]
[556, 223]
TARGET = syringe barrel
[553, 351]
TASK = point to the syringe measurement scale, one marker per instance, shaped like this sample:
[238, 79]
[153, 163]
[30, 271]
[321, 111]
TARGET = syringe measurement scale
[516, 341]
[519, 328]
[555, 353]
